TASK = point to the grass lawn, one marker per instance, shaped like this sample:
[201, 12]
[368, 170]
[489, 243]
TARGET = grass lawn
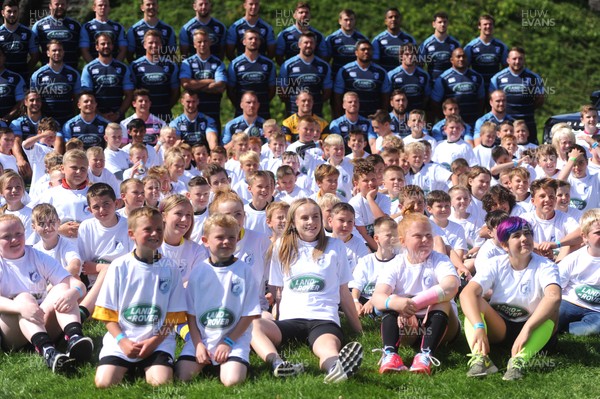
[570, 373]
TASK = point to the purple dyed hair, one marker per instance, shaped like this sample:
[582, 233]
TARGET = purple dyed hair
[510, 226]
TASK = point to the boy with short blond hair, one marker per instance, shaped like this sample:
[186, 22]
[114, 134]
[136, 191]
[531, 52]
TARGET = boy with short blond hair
[357, 143]
[138, 157]
[334, 147]
[439, 209]
[393, 181]
[519, 186]
[454, 146]
[249, 162]
[381, 123]
[483, 152]
[391, 156]
[326, 203]
[416, 123]
[117, 160]
[546, 155]
[276, 148]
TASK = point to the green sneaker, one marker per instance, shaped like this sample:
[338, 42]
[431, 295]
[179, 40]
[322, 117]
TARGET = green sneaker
[480, 365]
[514, 370]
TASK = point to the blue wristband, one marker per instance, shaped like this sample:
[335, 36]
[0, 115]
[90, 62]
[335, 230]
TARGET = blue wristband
[229, 341]
[387, 302]
[558, 244]
[594, 145]
[479, 325]
[120, 337]
[80, 291]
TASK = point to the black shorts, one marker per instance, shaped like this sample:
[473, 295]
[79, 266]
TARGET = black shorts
[229, 359]
[158, 358]
[307, 331]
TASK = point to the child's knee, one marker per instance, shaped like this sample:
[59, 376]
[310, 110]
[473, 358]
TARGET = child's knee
[156, 377]
[231, 380]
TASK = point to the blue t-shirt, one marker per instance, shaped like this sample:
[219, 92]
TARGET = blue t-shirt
[466, 88]
[17, 46]
[235, 34]
[296, 76]
[257, 76]
[158, 78]
[196, 68]
[416, 86]
[194, 131]
[216, 29]
[135, 38]
[341, 48]
[368, 83]
[90, 133]
[486, 59]
[58, 91]
[286, 44]
[521, 91]
[386, 48]
[240, 124]
[108, 82]
[91, 29]
[438, 54]
[12, 90]
[343, 126]
[66, 30]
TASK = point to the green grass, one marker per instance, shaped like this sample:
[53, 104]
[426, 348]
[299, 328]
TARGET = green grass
[570, 373]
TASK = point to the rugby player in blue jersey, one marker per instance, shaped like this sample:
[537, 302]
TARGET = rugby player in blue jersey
[57, 26]
[250, 20]
[109, 79]
[305, 72]
[437, 49]
[367, 79]
[524, 90]
[204, 74]
[203, 20]
[17, 41]
[254, 72]
[462, 84]
[101, 24]
[341, 44]
[387, 44]
[137, 33]
[287, 46]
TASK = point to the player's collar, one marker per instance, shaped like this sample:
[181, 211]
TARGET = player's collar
[80, 187]
[226, 263]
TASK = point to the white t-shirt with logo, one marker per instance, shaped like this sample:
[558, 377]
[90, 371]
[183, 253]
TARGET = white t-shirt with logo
[187, 255]
[312, 288]
[517, 293]
[65, 251]
[407, 279]
[580, 278]
[141, 295]
[364, 277]
[218, 296]
[553, 229]
[30, 273]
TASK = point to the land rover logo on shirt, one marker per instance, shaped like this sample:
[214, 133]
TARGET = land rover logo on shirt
[487, 59]
[364, 84]
[154, 78]
[217, 318]
[141, 314]
[369, 289]
[578, 203]
[109, 80]
[307, 283]
[255, 77]
[203, 75]
[510, 311]
[347, 50]
[60, 35]
[588, 293]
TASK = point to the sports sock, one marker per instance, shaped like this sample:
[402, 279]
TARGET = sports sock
[435, 329]
[83, 313]
[390, 332]
[329, 363]
[470, 331]
[73, 329]
[41, 341]
[539, 337]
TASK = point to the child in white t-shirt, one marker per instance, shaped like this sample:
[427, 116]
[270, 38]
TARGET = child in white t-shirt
[26, 303]
[132, 196]
[117, 160]
[287, 188]
[261, 186]
[416, 293]
[364, 276]
[341, 222]
[45, 223]
[580, 281]
[454, 147]
[36, 147]
[221, 292]
[141, 302]
[311, 280]
[97, 173]
[12, 190]
[198, 194]
[438, 207]
[276, 148]
[428, 176]
[249, 163]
